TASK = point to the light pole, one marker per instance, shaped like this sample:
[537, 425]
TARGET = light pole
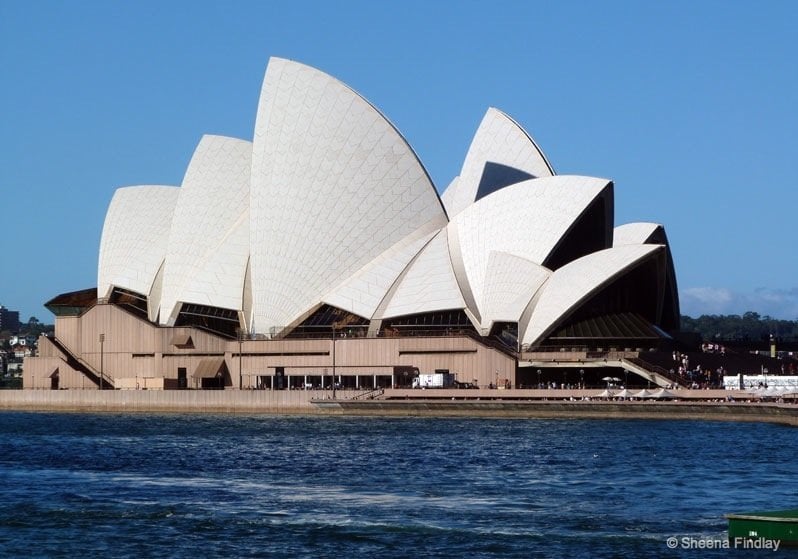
[102, 355]
[582, 379]
[539, 385]
[333, 360]
[240, 333]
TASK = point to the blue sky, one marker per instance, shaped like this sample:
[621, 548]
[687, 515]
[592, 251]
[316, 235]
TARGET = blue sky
[690, 107]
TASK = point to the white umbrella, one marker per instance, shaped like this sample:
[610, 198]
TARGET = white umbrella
[623, 394]
[770, 392]
[662, 394]
[643, 394]
[604, 394]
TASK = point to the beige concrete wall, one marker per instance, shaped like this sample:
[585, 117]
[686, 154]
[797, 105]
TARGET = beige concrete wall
[240, 401]
[139, 383]
[133, 347]
[37, 374]
[67, 330]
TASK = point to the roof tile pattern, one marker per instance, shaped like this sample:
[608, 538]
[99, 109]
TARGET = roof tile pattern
[576, 282]
[525, 220]
[330, 205]
[209, 238]
[429, 284]
[334, 185]
[366, 290]
[633, 233]
[499, 139]
[135, 237]
[510, 283]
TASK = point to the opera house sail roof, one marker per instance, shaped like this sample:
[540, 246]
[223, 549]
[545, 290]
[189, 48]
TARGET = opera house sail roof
[327, 219]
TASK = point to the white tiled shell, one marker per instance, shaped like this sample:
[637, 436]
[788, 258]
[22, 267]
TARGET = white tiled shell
[499, 139]
[633, 233]
[510, 283]
[209, 239]
[570, 286]
[449, 195]
[428, 284]
[526, 220]
[334, 185]
[134, 238]
[363, 292]
[220, 281]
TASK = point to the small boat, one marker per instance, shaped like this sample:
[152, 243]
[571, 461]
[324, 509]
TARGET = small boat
[779, 526]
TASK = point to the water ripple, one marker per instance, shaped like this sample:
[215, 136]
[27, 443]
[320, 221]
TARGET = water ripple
[253, 486]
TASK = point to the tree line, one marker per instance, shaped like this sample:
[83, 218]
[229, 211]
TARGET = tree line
[749, 326]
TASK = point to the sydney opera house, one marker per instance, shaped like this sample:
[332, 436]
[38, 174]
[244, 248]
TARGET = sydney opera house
[321, 252]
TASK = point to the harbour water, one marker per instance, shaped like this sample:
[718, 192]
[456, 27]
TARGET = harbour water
[190, 486]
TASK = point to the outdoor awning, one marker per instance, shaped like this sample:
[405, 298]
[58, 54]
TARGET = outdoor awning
[210, 367]
[180, 340]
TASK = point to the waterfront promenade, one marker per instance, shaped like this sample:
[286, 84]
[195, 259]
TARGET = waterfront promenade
[691, 404]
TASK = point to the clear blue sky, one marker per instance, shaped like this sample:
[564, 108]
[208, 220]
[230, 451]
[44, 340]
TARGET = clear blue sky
[690, 107]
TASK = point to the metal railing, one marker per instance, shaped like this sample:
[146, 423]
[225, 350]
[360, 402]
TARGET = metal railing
[369, 395]
[79, 364]
[651, 368]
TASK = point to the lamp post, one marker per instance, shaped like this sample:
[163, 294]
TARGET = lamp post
[539, 385]
[582, 379]
[240, 333]
[102, 355]
[333, 360]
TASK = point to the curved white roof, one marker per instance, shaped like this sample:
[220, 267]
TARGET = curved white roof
[574, 283]
[499, 140]
[636, 233]
[510, 283]
[364, 291]
[134, 237]
[526, 220]
[451, 192]
[330, 205]
[334, 185]
[428, 284]
[209, 239]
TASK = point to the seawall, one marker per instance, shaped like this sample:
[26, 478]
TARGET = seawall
[786, 414]
[184, 401]
[312, 402]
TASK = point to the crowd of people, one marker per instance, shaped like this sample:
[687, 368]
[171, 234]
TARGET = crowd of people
[698, 377]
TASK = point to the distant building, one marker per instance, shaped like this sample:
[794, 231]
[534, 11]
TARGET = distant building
[21, 351]
[9, 320]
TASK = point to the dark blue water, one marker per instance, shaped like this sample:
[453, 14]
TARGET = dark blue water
[259, 486]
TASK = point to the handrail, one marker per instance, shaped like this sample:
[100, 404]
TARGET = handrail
[491, 343]
[79, 364]
[371, 394]
[650, 367]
